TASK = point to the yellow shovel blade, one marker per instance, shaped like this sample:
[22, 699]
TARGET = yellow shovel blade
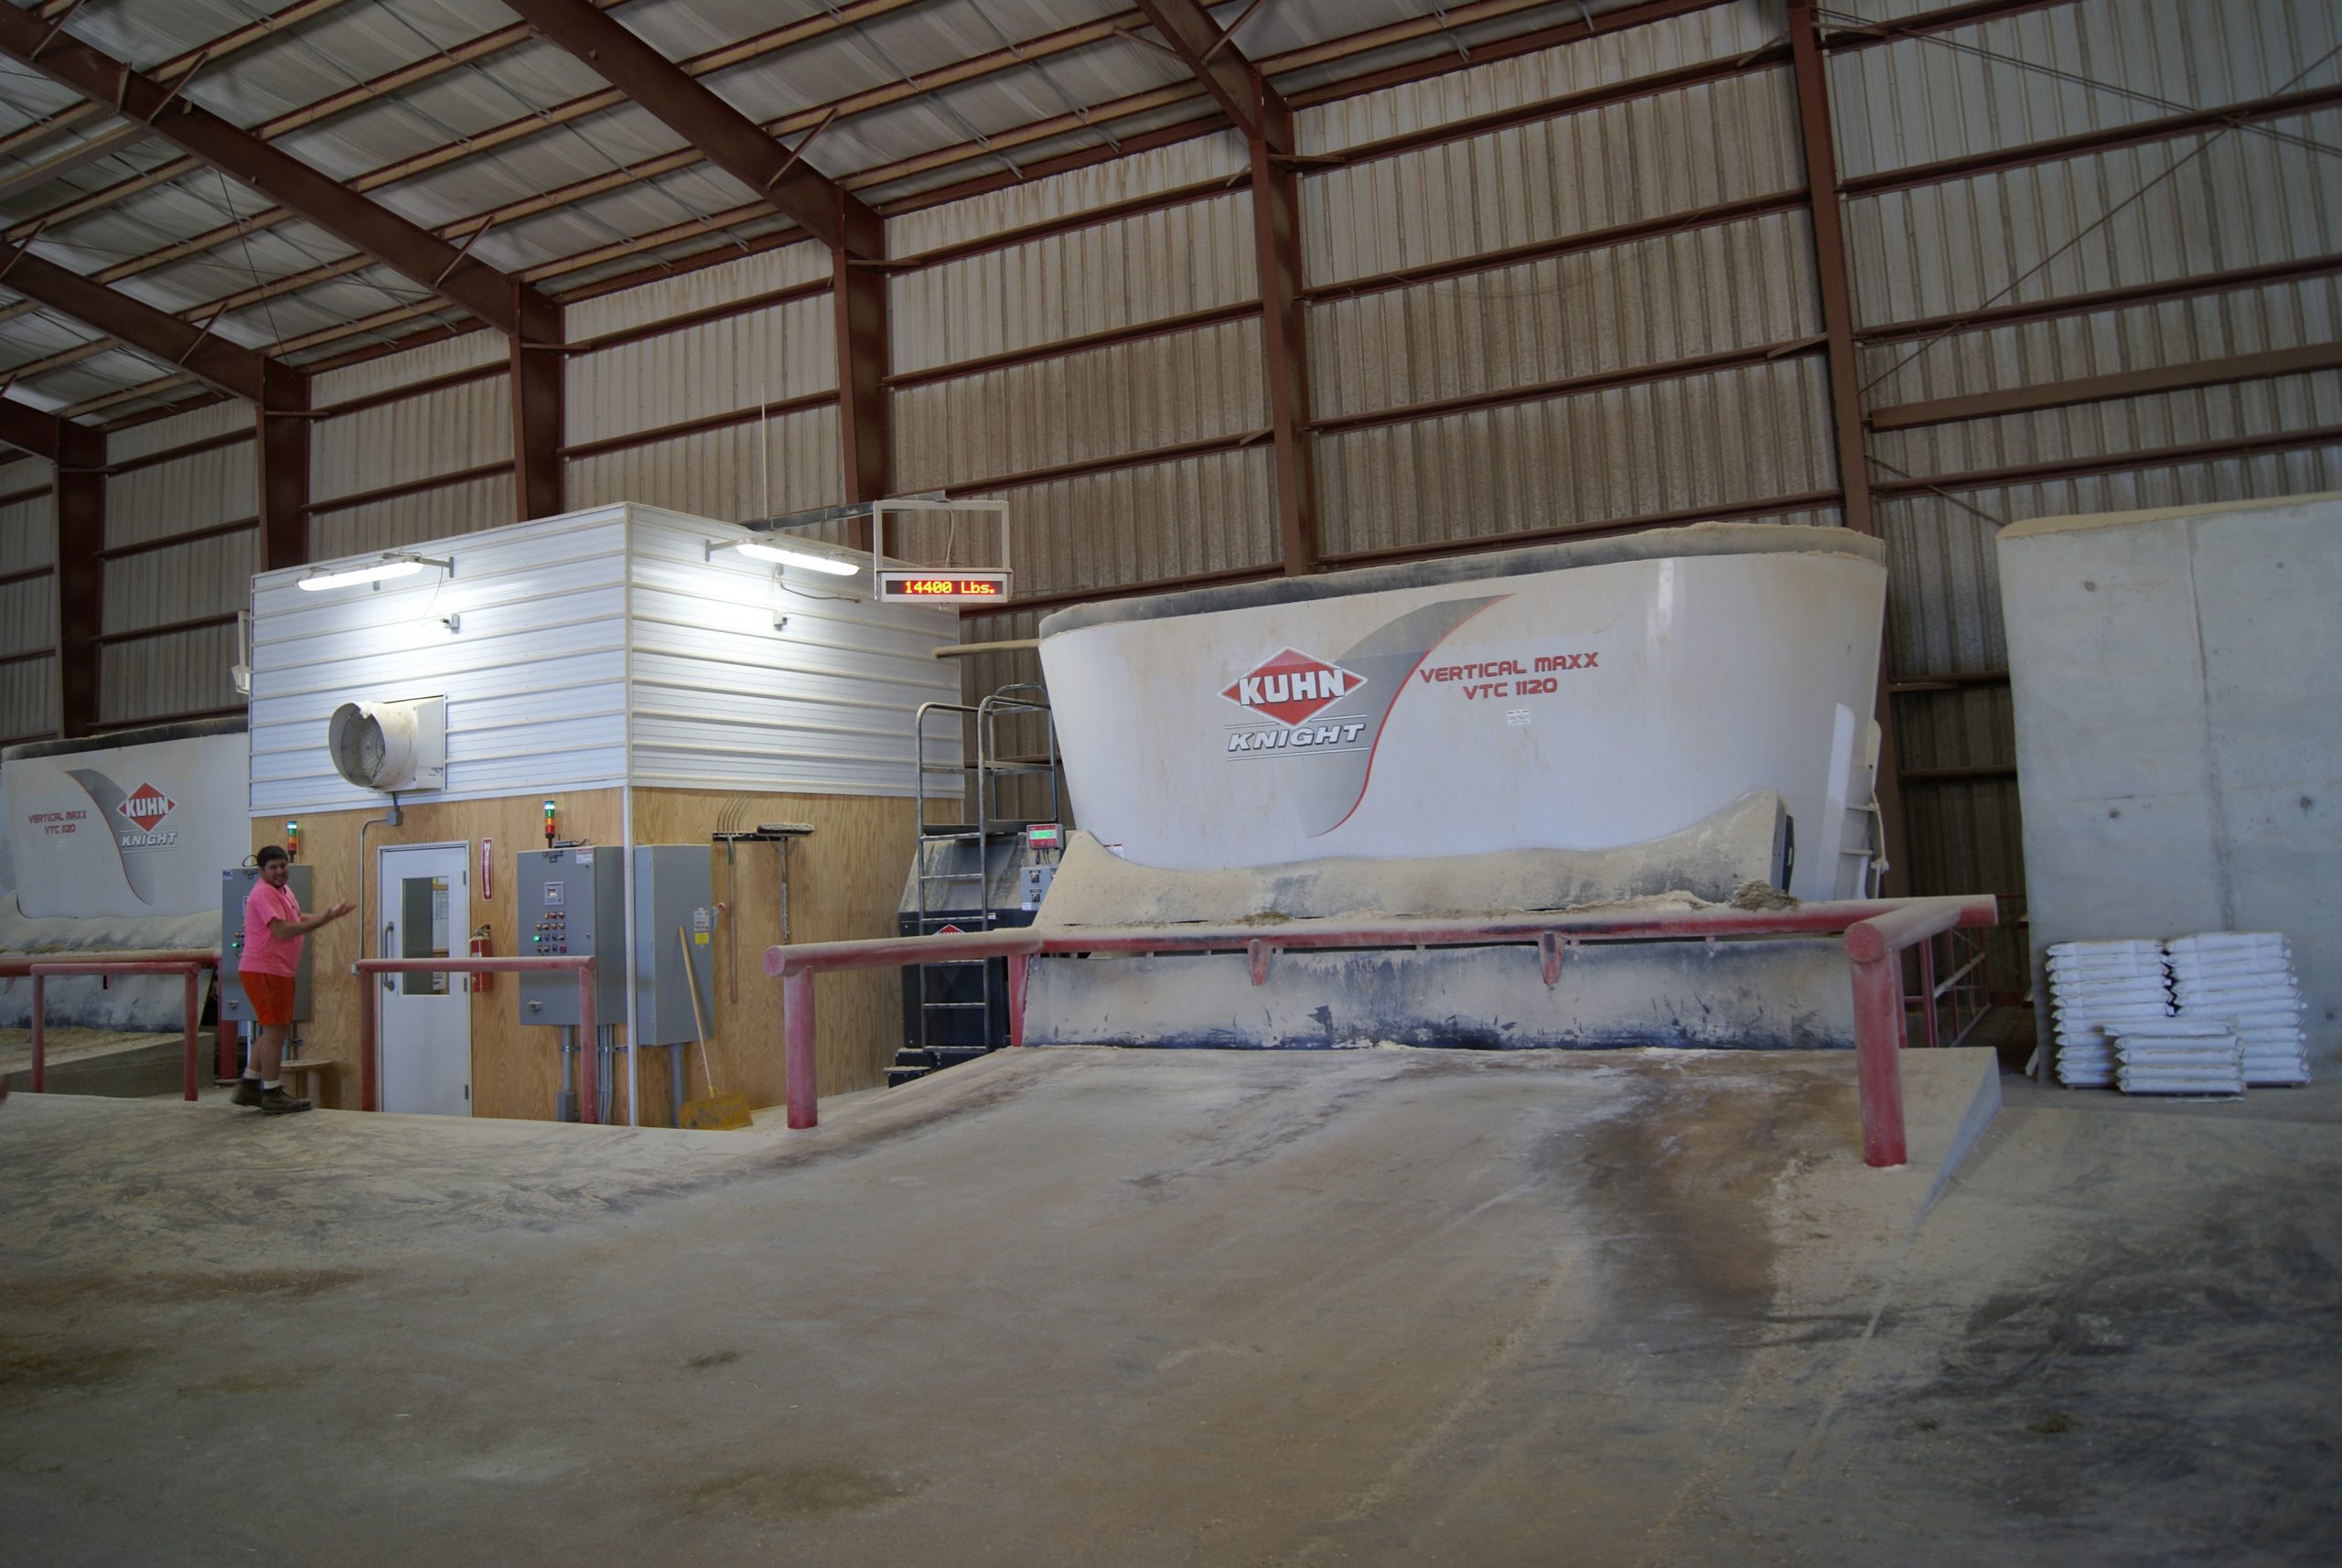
[717, 1113]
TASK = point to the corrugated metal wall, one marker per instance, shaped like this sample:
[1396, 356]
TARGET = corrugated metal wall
[441, 431]
[195, 586]
[28, 607]
[1667, 374]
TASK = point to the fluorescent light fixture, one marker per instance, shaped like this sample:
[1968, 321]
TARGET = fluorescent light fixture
[372, 572]
[756, 550]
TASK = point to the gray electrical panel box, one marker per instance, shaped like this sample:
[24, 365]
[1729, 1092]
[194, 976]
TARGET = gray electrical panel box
[671, 894]
[572, 901]
[235, 886]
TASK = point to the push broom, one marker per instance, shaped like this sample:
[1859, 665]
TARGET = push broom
[716, 1113]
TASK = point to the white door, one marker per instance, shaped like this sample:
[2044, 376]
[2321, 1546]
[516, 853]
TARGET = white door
[426, 1035]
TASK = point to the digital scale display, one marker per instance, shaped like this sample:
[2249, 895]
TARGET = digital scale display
[944, 588]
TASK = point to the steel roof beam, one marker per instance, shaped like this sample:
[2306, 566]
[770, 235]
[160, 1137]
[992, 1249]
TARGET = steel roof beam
[781, 177]
[32, 430]
[157, 334]
[405, 247]
[1266, 120]
[1258, 109]
[726, 137]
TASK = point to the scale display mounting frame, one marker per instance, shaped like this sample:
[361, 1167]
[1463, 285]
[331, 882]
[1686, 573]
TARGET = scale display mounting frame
[960, 585]
[904, 580]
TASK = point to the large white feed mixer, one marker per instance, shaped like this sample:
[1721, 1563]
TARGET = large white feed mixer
[1680, 717]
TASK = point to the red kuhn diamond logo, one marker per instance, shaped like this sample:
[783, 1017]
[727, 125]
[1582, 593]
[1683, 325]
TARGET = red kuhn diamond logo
[1290, 686]
[146, 806]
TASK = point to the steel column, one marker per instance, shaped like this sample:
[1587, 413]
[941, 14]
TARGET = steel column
[1846, 376]
[538, 421]
[281, 426]
[80, 503]
[1276, 243]
[858, 301]
[1255, 107]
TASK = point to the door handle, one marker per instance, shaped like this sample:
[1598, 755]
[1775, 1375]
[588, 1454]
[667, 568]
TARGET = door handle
[388, 928]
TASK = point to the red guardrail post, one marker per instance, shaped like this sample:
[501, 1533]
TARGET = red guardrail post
[1878, 1057]
[1016, 962]
[797, 1047]
[369, 1067]
[40, 1033]
[589, 1103]
[191, 999]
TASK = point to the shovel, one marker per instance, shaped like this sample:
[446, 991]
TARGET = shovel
[716, 1113]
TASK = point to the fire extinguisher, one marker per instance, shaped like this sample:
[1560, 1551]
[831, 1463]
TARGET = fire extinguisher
[483, 948]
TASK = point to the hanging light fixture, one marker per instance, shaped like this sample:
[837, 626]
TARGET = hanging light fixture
[396, 564]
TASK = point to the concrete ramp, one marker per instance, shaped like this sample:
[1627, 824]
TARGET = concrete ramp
[1108, 1307]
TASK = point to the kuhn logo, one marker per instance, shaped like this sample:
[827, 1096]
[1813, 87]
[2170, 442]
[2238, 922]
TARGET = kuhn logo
[1291, 687]
[146, 806]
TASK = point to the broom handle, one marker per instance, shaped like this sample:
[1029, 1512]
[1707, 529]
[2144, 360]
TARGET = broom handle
[699, 1025]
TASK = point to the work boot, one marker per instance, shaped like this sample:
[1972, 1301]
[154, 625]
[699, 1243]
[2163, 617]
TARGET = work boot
[277, 1102]
[247, 1093]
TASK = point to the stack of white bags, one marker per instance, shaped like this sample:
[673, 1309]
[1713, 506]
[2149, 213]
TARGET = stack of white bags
[2245, 979]
[2201, 1015]
[2098, 985]
[2172, 1056]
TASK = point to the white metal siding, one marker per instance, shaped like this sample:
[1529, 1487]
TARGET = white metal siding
[533, 676]
[443, 432]
[471, 351]
[231, 418]
[188, 582]
[1147, 524]
[1195, 257]
[1624, 163]
[28, 527]
[1718, 33]
[722, 700]
[27, 615]
[186, 493]
[1664, 446]
[1217, 157]
[1106, 403]
[721, 473]
[1710, 291]
[718, 367]
[435, 513]
[184, 672]
[29, 698]
[764, 273]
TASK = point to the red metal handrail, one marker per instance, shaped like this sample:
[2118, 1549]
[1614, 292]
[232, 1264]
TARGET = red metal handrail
[1873, 931]
[187, 963]
[369, 1023]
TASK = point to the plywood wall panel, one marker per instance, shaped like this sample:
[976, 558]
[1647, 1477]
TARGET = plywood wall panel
[844, 882]
[514, 1069]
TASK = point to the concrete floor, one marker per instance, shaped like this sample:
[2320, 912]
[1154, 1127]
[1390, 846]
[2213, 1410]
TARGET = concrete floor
[1122, 1308]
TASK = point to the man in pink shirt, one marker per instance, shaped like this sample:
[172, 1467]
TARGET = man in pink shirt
[274, 928]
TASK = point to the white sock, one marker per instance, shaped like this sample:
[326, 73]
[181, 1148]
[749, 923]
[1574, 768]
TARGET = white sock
[272, 1083]
[251, 1077]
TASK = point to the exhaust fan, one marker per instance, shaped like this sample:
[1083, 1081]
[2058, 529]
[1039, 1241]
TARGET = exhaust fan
[391, 745]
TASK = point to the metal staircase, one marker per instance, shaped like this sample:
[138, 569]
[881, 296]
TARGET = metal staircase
[957, 1007]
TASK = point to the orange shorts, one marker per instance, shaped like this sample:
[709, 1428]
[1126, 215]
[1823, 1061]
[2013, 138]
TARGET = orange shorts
[271, 996]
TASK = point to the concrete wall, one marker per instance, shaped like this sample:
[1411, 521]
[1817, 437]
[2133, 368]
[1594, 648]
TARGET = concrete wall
[2178, 692]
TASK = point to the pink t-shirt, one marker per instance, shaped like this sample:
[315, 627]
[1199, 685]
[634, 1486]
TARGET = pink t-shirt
[264, 953]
